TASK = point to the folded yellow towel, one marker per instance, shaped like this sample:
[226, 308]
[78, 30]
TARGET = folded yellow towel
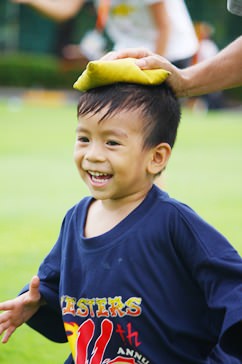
[100, 73]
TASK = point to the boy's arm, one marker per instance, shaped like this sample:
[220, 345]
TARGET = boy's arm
[20, 309]
[161, 21]
[220, 72]
[60, 10]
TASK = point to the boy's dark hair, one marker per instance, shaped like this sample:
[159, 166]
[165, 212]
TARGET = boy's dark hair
[160, 110]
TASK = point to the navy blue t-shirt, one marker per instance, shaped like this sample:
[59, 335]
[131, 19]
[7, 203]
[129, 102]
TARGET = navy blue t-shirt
[161, 287]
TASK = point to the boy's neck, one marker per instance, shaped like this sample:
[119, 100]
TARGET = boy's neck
[103, 215]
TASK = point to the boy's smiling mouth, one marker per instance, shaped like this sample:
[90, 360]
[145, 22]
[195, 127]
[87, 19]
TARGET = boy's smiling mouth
[99, 177]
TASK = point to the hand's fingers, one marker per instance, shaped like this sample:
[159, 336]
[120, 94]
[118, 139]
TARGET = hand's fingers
[4, 326]
[7, 305]
[34, 288]
[8, 334]
[134, 53]
[154, 62]
[128, 52]
[110, 56]
[34, 283]
[3, 318]
[8, 328]
[145, 59]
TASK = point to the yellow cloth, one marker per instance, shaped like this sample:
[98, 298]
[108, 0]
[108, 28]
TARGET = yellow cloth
[100, 73]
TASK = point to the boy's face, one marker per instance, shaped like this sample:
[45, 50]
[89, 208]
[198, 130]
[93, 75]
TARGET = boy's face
[110, 157]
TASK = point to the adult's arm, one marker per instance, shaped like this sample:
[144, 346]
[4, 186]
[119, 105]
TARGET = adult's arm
[58, 10]
[161, 20]
[220, 72]
[223, 71]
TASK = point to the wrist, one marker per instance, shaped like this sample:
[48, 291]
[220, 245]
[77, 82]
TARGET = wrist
[184, 86]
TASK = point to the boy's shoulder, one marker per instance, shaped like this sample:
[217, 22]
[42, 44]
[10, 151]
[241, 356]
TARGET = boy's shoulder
[183, 222]
[171, 205]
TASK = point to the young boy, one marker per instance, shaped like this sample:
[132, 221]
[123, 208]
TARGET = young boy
[135, 276]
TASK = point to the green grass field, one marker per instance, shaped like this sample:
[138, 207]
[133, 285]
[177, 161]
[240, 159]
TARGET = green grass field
[39, 183]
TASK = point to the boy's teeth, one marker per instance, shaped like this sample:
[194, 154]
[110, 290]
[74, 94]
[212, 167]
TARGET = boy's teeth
[97, 174]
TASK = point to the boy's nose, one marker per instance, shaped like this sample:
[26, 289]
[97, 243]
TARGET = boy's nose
[95, 153]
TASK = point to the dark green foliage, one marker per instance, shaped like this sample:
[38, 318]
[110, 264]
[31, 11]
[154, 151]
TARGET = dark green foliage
[30, 70]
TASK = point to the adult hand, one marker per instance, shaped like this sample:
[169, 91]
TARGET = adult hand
[146, 59]
[217, 73]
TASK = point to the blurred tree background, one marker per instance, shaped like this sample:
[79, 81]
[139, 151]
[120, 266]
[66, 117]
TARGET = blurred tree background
[28, 39]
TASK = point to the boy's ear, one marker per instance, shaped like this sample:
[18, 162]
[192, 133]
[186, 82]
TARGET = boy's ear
[160, 155]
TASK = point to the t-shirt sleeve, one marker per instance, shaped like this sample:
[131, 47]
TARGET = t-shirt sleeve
[217, 268]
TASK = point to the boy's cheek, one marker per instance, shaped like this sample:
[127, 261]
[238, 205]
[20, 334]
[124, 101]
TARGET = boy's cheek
[76, 152]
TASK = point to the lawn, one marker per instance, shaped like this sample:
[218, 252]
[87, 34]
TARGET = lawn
[39, 183]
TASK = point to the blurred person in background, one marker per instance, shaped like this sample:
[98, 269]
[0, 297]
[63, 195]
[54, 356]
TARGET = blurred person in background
[162, 26]
[207, 49]
[220, 72]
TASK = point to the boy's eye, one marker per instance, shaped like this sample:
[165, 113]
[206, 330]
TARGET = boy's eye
[112, 142]
[82, 139]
